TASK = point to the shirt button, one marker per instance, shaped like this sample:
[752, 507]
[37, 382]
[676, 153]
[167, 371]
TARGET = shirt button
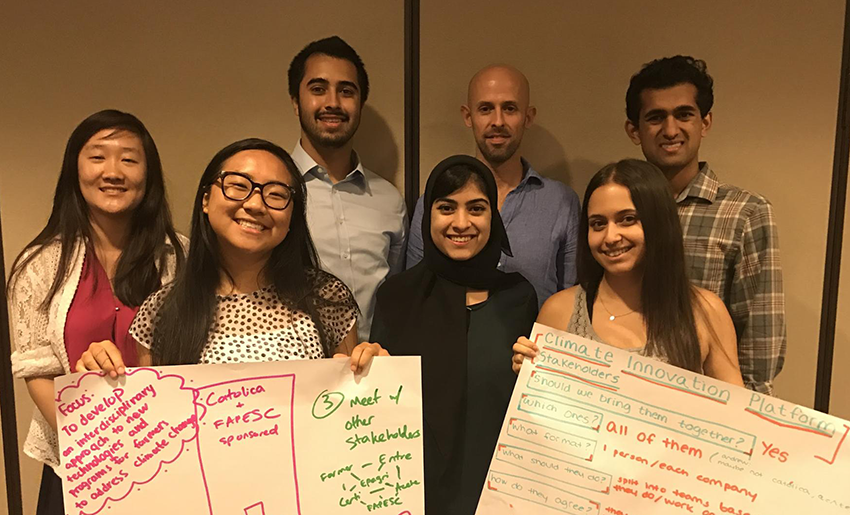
[117, 308]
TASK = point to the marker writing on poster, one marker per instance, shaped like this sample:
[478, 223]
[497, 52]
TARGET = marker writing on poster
[375, 475]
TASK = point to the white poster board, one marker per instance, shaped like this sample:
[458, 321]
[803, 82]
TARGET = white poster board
[296, 437]
[592, 429]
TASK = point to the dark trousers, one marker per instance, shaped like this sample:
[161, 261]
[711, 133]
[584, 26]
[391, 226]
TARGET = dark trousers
[50, 495]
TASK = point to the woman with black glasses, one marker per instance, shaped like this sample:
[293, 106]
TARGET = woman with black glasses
[252, 289]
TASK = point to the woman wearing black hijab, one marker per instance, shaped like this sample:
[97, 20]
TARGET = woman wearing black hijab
[462, 315]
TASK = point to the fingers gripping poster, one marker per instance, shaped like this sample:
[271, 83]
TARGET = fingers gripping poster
[595, 430]
[284, 438]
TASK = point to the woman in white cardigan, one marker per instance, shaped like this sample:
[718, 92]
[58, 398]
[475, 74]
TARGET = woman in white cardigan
[108, 244]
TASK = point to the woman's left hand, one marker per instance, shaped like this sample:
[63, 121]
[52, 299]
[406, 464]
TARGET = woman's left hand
[523, 349]
[362, 355]
[102, 356]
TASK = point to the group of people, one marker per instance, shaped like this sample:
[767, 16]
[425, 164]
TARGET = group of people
[307, 255]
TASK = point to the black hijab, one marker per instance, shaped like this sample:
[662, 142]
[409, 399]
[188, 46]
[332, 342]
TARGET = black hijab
[422, 312]
[480, 271]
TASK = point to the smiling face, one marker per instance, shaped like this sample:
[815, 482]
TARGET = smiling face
[498, 112]
[248, 228]
[670, 128]
[329, 103]
[112, 172]
[615, 234]
[460, 222]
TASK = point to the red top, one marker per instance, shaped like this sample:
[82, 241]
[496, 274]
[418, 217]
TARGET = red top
[97, 315]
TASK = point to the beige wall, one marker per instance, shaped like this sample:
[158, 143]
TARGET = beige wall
[774, 115]
[199, 75]
[203, 77]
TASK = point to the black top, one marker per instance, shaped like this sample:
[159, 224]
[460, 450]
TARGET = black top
[489, 385]
[463, 408]
[422, 312]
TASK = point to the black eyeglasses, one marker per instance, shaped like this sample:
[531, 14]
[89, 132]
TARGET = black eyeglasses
[238, 186]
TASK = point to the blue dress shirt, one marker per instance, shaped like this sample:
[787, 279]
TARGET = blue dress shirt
[358, 225]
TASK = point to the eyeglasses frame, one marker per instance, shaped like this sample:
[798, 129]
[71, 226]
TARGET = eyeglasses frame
[254, 186]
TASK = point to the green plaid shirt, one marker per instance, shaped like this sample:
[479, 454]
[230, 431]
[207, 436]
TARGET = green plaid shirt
[732, 249]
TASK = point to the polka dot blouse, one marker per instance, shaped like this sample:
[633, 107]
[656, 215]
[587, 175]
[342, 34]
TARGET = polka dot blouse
[252, 327]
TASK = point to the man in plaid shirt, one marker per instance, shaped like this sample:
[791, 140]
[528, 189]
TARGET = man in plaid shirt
[730, 235]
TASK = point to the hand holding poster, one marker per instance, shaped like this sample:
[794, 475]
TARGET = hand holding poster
[592, 429]
[264, 438]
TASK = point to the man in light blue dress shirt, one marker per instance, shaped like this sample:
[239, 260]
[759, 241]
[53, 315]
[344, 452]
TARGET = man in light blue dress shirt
[357, 219]
[540, 214]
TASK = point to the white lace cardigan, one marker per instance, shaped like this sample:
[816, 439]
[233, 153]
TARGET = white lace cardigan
[40, 336]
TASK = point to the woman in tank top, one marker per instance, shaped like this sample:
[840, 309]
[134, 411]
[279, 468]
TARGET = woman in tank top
[633, 290]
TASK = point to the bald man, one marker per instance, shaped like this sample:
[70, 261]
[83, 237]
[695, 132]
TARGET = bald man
[540, 215]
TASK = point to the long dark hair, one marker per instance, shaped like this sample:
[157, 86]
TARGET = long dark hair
[667, 296]
[136, 274]
[187, 313]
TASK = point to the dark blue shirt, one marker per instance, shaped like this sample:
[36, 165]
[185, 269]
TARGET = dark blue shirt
[541, 217]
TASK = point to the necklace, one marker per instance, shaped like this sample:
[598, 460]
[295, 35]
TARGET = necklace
[612, 316]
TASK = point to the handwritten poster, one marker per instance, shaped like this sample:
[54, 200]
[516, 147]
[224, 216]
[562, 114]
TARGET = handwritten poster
[283, 438]
[592, 429]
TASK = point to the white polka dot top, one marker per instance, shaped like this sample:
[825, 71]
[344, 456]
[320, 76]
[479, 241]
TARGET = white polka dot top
[253, 327]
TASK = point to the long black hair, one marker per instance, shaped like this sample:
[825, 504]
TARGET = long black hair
[187, 313]
[136, 273]
[667, 296]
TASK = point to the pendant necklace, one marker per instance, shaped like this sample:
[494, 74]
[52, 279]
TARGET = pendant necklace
[612, 316]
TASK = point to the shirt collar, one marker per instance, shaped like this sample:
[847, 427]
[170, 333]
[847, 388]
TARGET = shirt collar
[529, 173]
[307, 164]
[703, 186]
